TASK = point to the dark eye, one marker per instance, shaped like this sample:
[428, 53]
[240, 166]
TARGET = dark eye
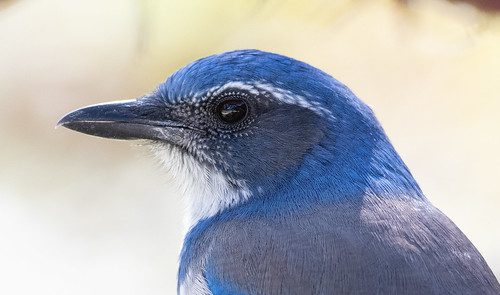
[232, 110]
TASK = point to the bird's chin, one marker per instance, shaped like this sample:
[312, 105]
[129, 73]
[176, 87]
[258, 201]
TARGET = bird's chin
[168, 152]
[206, 190]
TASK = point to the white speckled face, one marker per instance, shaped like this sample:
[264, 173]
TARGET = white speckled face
[221, 149]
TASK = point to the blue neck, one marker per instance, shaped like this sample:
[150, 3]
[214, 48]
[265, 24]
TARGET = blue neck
[354, 159]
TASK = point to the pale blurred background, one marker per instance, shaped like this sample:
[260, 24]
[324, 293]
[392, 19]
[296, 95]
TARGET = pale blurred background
[84, 215]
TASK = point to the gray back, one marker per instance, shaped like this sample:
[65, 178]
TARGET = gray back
[369, 246]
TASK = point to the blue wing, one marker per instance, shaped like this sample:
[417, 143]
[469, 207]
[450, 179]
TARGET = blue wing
[385, 247]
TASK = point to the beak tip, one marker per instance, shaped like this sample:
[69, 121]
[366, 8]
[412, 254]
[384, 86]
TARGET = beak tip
[59, 123]
[63, 121]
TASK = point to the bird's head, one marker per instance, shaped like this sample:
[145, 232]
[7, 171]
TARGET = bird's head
[245, 124]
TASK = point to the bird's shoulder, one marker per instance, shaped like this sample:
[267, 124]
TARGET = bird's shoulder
[344, 246]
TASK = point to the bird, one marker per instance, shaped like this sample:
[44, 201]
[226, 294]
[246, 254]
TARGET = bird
[292, 185]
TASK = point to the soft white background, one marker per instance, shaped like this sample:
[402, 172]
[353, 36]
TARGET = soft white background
[83, 215]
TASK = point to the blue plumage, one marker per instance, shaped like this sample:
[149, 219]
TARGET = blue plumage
[292, 185]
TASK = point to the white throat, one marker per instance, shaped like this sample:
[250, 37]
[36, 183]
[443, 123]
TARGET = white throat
[206, 190]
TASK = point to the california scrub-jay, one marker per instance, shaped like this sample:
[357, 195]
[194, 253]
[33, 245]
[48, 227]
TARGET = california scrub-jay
[292, 185]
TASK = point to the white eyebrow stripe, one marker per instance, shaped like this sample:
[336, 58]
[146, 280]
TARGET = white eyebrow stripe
[287, 96]
[239, 85]
[283, 95]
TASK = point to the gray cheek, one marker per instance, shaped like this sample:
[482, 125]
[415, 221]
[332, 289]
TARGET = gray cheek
[266, 149]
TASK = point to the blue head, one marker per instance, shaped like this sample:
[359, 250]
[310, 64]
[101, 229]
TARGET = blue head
[250, 125]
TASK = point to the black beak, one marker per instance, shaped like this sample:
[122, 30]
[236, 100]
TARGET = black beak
[133, 119]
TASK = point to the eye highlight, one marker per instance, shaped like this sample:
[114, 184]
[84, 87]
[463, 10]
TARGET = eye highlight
[232, 110]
